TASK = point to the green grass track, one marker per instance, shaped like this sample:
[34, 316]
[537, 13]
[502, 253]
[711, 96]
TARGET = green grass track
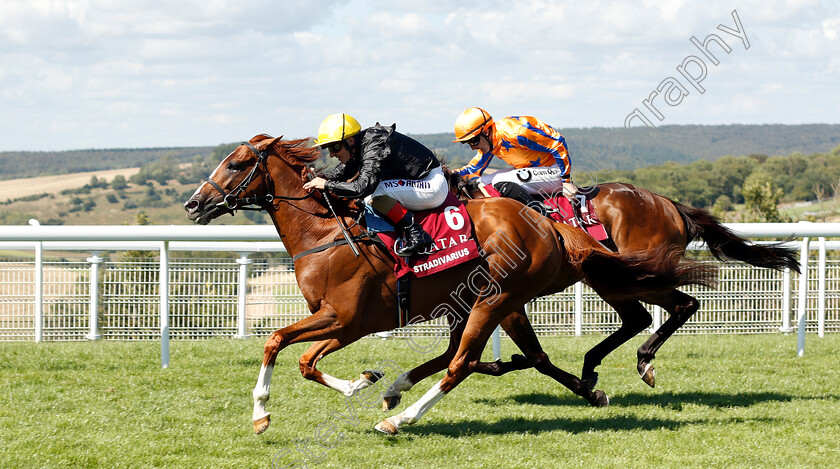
[720, 401]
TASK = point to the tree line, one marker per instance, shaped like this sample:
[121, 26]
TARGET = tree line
[596, 147]
[758, 181]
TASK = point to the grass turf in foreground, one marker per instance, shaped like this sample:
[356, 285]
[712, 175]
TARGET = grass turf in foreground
[720, 401]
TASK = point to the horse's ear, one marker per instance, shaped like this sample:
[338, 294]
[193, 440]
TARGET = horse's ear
[259, 138]
[274, 141]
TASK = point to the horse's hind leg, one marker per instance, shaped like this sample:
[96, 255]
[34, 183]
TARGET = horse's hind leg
[680, 307]
[477, 330]
[634, 319]
[519, 329]
[407, 380]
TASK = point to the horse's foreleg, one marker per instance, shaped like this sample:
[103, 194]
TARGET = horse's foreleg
[319, 350]
[634, 319]
[318, 326]
[680, 308]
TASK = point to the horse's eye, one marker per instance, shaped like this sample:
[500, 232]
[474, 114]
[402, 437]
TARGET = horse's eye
[235, 166]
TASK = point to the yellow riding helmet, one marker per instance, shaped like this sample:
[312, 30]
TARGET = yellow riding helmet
[336, 127]
[470, 123]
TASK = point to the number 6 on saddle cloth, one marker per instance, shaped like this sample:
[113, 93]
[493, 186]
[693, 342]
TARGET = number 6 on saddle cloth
[454, 243]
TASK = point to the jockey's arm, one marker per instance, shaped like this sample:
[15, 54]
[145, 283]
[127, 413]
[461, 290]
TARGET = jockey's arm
[373, 152]
[475, 168]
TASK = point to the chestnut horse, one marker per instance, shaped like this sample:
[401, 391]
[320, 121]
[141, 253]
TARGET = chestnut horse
[638, 220]
[351, 297]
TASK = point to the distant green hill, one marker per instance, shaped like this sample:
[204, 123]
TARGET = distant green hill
[592, 149]
[21, 164]
[618, 148]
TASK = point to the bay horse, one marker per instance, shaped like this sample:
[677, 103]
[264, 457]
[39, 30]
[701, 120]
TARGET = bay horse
[638, 220]
[352, 297]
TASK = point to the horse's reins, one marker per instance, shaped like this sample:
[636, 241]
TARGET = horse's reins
[344, 231]
[231, 201]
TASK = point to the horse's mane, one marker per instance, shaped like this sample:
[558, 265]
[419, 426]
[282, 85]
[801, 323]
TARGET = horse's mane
[301, 150]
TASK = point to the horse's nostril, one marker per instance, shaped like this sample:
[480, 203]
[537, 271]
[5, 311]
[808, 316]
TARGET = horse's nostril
[191, 205]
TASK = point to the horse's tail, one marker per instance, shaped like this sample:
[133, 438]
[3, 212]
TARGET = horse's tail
[727, 246]
[621, 275]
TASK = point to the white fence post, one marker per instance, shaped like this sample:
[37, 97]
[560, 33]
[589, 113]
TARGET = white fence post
[657, 318]
[39, 292]
[786, 302]
[821, 300]
[803, 298]
[579, 309]
[497, 343]
[243, 262]
[164, 304]
[93, 326]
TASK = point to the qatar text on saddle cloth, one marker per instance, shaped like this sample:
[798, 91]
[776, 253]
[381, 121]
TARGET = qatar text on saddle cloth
[451, 228]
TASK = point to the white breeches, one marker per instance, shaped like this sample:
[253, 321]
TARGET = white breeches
[420, 194]
[541, 180]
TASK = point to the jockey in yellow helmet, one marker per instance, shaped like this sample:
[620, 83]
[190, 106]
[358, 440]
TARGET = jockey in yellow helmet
[537, 152]
[392, 172]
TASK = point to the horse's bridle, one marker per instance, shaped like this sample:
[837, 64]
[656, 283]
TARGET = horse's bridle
[231, 200]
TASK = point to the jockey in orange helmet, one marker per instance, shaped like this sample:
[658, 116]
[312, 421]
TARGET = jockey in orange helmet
[537, 152]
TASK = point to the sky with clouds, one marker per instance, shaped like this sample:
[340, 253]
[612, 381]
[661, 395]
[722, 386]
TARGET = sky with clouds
[79, 74]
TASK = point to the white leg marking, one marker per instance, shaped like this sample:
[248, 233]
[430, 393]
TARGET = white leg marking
[402, 383]
[341, 385]
[416, 411]
[348, 388]
[261, 392]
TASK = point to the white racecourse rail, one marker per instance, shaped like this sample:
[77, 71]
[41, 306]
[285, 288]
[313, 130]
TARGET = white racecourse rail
[137, 283]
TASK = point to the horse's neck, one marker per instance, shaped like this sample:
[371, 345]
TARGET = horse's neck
[303, 224]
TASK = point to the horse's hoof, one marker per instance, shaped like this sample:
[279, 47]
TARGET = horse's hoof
[262, 424]
[590, 380]
[387, 428]
[371, 375]
[389, 402]
[648, 375]
[520, 362]
[601, 399]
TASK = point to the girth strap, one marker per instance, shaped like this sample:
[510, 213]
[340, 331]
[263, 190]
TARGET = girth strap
[338, 242]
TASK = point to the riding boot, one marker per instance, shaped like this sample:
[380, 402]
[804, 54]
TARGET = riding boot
[415, 238]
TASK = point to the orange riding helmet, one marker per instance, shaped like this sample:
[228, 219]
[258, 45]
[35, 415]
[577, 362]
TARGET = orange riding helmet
[471, 122]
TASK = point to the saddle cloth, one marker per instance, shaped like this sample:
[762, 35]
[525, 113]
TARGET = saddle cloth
[563, 212]
[449, 225]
